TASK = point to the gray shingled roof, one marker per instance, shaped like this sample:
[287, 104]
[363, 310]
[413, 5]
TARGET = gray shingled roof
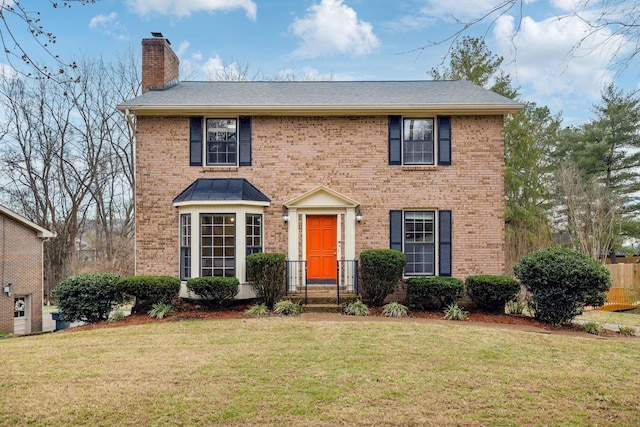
[221, 189]
[339, 95]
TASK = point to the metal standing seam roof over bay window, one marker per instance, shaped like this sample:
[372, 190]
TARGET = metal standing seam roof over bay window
[329, 97]
[236, 191]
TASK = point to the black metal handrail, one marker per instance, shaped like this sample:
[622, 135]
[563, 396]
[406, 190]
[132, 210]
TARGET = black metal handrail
[296, 277]
[347, 276]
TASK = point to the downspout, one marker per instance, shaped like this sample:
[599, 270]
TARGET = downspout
[132, 126]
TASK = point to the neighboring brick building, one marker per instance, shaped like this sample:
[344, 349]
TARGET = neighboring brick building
[318, 170]
[21, 273]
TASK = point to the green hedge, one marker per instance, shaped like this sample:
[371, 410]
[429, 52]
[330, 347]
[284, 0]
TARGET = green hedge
[491, 293]
[380, 272]
[214, 291]
[561, 282]
[88, 297]
[265, 271]
[149, 290]
[433, 292]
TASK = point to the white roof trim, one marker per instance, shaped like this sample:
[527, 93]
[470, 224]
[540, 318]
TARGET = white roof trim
[221, 202]
[321, 197]
[41, 232]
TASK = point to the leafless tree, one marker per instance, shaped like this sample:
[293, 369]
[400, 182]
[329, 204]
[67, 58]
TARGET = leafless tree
[588, 209]
[67, 161]
[610, 20]
[17, 19]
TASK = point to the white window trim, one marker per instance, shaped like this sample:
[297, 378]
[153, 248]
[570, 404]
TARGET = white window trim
[435, 141]
[205, 157]
[240, 212]
[436, 240]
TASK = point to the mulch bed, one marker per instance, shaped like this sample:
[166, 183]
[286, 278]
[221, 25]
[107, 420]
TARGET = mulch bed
[187, 311]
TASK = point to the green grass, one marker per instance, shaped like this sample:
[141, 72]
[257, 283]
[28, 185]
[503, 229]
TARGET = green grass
[292, 371]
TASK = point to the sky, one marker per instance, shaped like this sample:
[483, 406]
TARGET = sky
[351, 40]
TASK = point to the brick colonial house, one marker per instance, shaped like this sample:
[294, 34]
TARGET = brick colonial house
[317, 170]
[21, 272]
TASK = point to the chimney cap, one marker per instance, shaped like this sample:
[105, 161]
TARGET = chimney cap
[159, 35]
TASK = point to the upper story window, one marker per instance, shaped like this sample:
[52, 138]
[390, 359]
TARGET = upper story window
[420, 141]
[417, 142]
[222, 143]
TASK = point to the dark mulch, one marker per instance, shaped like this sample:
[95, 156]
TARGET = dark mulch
[188, 311]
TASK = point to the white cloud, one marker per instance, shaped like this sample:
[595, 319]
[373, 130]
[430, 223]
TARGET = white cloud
[184, 8]
[332, 26]
[547, 58]
[110, 26]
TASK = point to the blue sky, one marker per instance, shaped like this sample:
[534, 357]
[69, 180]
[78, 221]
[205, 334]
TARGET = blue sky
[350, 40]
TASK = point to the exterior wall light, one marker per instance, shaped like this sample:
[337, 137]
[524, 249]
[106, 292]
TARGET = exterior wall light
[7, 289]
[285, 216]
[359, 216]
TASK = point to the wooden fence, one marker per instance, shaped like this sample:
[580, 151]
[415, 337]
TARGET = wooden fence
[625, 287]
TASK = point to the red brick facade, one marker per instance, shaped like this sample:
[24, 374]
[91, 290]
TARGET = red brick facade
[162, 62]
[292, 155]
[20, 266]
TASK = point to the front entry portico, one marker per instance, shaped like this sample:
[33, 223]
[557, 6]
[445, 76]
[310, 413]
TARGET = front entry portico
[321, 237]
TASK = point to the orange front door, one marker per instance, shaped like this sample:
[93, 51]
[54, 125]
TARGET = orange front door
[321, 248]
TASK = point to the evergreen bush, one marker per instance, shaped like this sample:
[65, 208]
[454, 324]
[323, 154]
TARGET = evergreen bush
[380, 272]
[88, 297]
[149, 290]
[265, 271]
[561, 282]
[433, 292]
[491, 293]
[214, 291]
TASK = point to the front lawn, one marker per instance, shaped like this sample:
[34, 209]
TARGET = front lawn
[292, 371]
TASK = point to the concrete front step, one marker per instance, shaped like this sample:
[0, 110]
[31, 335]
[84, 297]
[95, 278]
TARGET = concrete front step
[321, 298]
[322, 308]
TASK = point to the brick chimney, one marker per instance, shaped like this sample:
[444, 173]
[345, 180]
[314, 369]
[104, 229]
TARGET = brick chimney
[159, 64]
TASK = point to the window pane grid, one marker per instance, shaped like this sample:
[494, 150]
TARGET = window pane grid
[217, 245]
[417, 144]
[253, 233]
[185, 246]
[221, 140]
[419, 242]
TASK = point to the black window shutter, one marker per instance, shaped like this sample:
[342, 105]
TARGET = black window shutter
[195, 141]
[444, 141]
[244, 141]
[395, 230]
[395, 142]
[444, 246]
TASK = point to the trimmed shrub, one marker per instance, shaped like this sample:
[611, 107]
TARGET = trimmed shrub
[265, 271]
[214, 291]
[561, 282]
[491, 293]
[88, 297]
[149, 290]
[380, 272]
[433, 292]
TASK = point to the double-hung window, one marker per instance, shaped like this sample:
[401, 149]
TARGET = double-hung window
[416, 141]
[420, 243]
[185, 246]
[215, 141]
[425, 238]
[221, 142]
